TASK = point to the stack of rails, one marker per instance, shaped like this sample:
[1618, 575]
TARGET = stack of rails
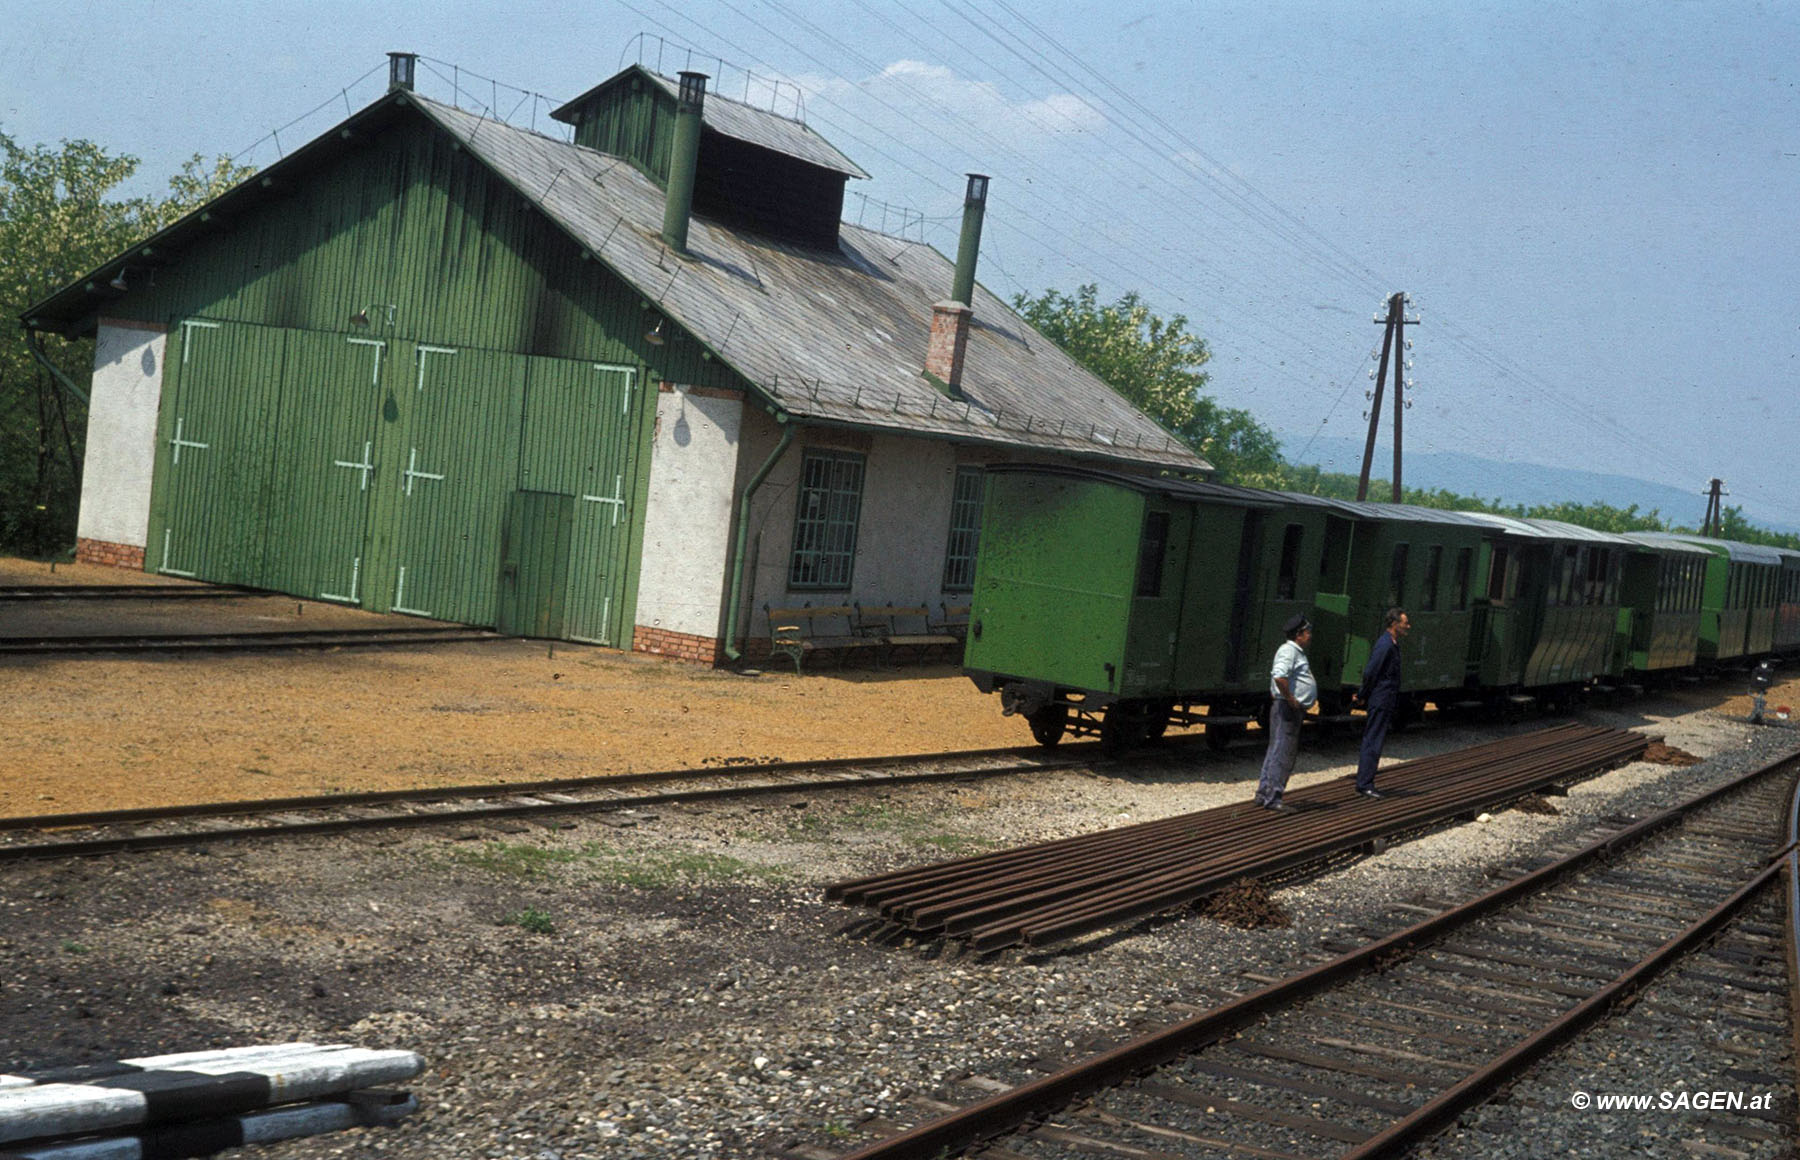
[1057, 890]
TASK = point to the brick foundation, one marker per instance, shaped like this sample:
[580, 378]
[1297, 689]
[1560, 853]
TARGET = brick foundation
[704, 650]
[109, 555]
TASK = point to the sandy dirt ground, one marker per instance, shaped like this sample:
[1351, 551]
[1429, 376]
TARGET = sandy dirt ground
[111, 731]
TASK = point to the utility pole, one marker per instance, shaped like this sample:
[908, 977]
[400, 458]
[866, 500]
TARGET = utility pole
[1714, 525]
[1393, 348]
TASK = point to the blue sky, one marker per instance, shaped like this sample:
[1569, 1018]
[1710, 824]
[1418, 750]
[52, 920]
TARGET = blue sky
[1592, 204]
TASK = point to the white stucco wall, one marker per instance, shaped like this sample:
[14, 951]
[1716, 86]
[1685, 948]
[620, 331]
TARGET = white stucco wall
[687, 518]
[903, 531]
[121, 434]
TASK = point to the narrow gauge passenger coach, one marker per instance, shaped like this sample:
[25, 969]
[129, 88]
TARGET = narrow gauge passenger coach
[1116, 605]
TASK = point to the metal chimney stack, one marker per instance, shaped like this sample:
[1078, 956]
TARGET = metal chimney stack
[974, 209]
[684, 159]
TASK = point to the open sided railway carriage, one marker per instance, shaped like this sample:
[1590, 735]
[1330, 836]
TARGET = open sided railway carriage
[1115, 605]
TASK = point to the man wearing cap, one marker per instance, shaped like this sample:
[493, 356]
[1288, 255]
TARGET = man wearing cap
[1292, 692]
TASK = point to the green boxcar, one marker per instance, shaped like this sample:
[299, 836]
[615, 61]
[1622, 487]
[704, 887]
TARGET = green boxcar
[1787, 603]
[1111, 604]
[1660, 589]
[1381, 556]
[1739, 599]
[1549, 621]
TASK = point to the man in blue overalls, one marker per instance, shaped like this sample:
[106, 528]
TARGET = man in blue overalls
[1380, 692]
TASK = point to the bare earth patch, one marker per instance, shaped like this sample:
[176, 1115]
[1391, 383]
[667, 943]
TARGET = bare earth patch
[118, 731]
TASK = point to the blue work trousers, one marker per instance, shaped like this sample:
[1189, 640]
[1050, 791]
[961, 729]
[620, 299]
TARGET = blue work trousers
[1375, 731]
[1284, 746]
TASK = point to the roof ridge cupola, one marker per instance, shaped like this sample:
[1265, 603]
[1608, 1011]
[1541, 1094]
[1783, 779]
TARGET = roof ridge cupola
[754, 169]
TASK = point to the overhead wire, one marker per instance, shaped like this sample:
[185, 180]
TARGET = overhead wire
[1051, 229]
[1623, 433]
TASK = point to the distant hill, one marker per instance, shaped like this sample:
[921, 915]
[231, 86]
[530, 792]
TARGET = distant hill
[1526, 483]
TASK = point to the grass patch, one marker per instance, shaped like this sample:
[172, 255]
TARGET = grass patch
[533, 920]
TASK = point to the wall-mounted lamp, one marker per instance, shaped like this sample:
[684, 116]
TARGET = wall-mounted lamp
[119, 281]
[361, 317]
[655, 336]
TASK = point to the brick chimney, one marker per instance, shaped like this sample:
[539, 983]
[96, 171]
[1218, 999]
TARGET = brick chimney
[950, 318]
[949, 341]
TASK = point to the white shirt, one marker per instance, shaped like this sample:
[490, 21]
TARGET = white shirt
[1290, 662]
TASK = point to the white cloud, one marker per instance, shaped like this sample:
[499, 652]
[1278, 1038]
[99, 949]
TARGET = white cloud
[983, 103]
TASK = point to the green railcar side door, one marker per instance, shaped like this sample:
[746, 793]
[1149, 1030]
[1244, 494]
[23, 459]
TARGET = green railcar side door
[216, 435]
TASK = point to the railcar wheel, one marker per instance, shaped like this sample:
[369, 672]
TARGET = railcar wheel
[1220, 736]
[1048, 724]
[1122, 728]
[1156, 723]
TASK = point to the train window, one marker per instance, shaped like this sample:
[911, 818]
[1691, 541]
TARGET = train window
[825, 519]
[1397, 577]
[1562, 577]
[1287, 577]
[1334, 561]
[1497, 577]
[1434, 564]
[1460, 579]
[1599, 563]
[1151, 550]
[965, 530]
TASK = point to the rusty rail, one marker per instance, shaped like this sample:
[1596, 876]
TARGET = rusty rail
[953, 1134]
[1057, 890]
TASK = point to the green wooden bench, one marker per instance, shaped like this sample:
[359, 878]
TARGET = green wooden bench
[795, 632]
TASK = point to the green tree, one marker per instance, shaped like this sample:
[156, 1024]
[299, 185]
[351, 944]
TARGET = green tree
[58, 221]
[1733, 526]
[1155, 363]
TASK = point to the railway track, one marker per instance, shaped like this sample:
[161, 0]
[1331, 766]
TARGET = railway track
[17, 592]
[1386, 1044]
[191, 642]
[506, 806]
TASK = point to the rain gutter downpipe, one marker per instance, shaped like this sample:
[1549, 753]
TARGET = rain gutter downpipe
[732, 651]
[37, 352]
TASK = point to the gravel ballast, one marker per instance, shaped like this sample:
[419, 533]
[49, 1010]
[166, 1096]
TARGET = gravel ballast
[671, 984]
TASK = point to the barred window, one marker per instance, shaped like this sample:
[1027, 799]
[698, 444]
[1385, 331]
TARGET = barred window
[825, 519]
[965, 530]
